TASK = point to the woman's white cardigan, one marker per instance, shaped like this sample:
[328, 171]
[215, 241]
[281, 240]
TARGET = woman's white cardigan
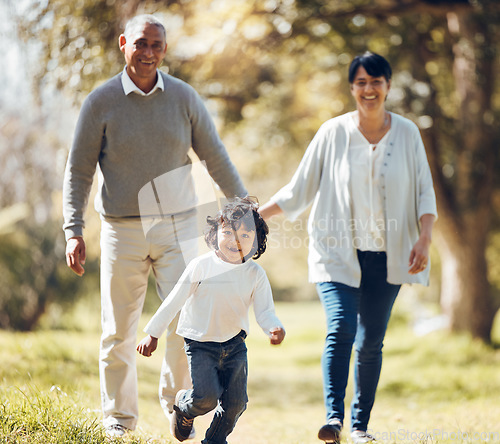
[323, 178]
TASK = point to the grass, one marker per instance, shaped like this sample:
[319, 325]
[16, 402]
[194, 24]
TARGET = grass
[34, 417]
[434, 389]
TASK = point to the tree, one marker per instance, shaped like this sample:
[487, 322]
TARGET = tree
[448, 52]
[32, 275]
[461, 141]
[465, 187]
[31, 242]
[272, 71]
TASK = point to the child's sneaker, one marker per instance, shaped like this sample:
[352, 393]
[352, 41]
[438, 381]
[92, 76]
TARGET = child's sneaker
[330, 433]
[360, 437]
[181, 426]
[171, 419]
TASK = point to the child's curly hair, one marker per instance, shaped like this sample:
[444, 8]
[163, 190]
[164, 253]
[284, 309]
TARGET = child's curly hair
[239, 210]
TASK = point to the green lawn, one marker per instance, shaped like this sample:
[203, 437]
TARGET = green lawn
[435, 388]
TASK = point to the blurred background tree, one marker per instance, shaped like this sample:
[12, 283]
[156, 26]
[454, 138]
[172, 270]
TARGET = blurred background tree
[273, 70]
[33, 276]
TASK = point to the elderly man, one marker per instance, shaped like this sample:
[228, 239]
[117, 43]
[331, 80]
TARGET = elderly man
[138, 126]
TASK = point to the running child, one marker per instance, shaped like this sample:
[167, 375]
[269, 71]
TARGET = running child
[214, 295]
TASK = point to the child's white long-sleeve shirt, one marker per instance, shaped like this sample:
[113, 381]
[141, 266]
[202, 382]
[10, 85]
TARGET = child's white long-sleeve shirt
[214, 298]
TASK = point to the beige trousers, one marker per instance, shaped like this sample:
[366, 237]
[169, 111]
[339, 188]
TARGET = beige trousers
[128, 254]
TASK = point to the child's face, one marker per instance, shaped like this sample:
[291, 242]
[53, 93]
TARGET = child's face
[235, 245]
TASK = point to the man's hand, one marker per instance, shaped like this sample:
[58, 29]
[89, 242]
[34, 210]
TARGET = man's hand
[75, 254]
[277, 335]
[147, 346]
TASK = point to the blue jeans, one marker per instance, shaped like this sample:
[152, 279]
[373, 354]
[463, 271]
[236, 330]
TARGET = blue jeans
[356, 316]
[219, 375]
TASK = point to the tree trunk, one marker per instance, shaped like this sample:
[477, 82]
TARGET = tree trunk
[465, 196]
[466, 295]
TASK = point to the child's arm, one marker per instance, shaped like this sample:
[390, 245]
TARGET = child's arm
[172, 304]
[265, 314]
[277, 334]
[148, 345]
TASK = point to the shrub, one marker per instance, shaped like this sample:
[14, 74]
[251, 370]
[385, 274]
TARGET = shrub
[33, 274]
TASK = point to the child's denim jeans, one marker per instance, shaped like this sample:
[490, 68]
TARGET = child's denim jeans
[219, 374]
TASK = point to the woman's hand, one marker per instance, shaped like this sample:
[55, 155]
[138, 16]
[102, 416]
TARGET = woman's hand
[147, 346]
[269, 210]
[419, 255]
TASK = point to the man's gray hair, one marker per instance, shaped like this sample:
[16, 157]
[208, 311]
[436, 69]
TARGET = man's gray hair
[139, 21]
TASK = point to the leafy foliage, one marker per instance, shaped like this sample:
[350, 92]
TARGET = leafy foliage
[273, 70]
[32, 275]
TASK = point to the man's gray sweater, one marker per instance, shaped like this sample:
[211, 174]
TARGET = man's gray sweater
[135, 139]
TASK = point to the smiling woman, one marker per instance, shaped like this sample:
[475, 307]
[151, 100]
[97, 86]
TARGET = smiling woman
[365, 167]
[370, 80]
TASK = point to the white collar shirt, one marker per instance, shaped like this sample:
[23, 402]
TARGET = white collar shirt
[130, 87]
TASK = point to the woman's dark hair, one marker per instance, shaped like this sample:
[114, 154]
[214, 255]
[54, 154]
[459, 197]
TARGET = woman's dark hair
[374, 64]
[236, 212]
